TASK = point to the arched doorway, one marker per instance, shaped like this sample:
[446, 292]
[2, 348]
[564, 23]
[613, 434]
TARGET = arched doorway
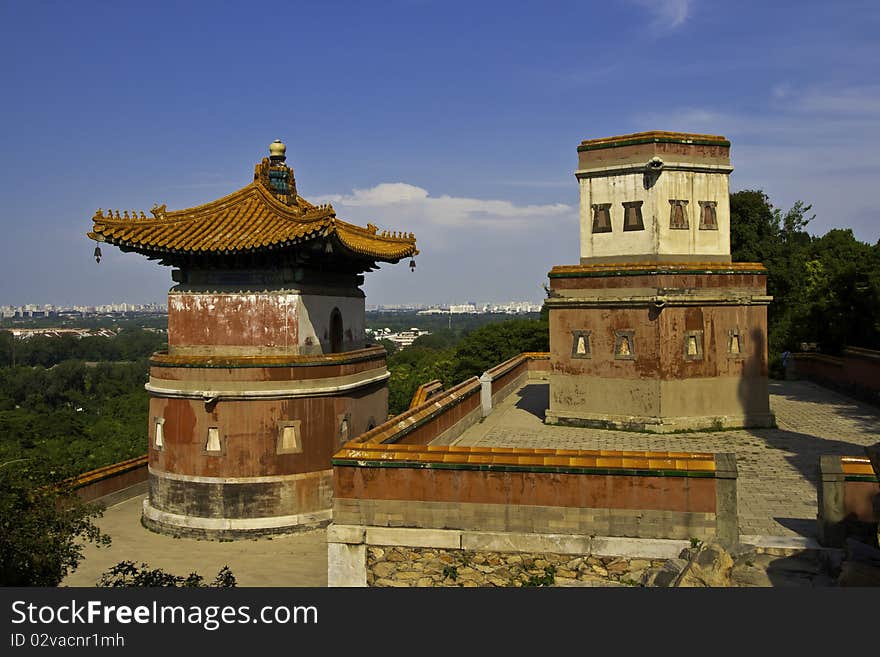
[335, 331]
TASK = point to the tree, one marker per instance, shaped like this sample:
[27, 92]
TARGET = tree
[126, 573]
[825, 289]
[390, 347]
[43, 526]
[494, 343]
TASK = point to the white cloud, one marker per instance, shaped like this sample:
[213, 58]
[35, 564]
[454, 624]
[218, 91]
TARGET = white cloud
[414, 205]
[667, 13]
[470, 248]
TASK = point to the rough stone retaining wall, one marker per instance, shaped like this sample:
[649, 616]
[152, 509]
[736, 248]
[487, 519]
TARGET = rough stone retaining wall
[427, 567]
[385, 556]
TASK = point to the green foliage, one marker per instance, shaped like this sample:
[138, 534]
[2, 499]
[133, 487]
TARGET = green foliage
[493, 344]
[43, 525]
[459, 324]
[390, 347]
[126, 573]
[74, 416]
[450, 572]
[825, 289]
[412, 367]
[452, 360]
[47, 351]
[547, 579]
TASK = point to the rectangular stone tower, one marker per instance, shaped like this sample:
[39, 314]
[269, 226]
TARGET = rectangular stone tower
[656, 329]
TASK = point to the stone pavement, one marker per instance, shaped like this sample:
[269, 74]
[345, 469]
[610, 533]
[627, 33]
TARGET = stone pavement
[292, 560]
[777, 467]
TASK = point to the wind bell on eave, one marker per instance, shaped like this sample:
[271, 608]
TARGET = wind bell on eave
[97, 253]
[412, 264]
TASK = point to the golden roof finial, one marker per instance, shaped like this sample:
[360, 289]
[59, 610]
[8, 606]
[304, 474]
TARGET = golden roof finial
[277, 151]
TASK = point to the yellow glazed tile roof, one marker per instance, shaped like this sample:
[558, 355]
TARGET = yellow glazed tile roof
[250, 219]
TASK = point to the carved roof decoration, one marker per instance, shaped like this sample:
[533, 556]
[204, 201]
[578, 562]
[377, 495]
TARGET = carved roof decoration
[266, 214]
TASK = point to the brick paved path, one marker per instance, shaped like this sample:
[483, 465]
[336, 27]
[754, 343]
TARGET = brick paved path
[777, 467]
[298, 559]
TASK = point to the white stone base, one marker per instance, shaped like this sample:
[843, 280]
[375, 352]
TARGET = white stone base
[177, 523]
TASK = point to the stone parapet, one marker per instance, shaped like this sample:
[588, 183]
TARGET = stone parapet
[674, 495]
[848, 499]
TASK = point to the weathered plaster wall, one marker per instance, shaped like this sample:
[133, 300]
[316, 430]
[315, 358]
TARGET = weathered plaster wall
[657, 237]
[261, 323]
[313, 322]
[233, 323]
[660, 386]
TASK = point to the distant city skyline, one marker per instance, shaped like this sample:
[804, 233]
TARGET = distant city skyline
[458, 122]
[125, 306]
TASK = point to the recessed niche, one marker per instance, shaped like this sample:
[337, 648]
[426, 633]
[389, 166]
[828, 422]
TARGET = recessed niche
[624, 345]
[159, 432]
[632, 216]
[288, 440]
[344, 428]
[735, 345]
[602, 218]
[580, 344]
[678, 216]
[213, 442]
[693, 345]
[708, 215]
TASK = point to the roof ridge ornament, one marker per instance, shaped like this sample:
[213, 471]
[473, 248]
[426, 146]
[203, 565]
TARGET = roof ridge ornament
[273, 174]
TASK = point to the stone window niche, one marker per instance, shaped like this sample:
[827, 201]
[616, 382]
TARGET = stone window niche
[693, 345]
[213, 444]
[580, 344]
[602, 218]
[344, 422]
[708, 215]
[678, 216]
[632, 216]
[624, 345]
[159, 433]
[735, 346]
[289, 437]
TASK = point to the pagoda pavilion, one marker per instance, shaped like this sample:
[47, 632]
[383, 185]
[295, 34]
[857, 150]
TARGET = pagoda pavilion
[268, 370]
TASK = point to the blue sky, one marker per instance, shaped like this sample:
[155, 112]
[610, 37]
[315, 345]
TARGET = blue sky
[456, 121]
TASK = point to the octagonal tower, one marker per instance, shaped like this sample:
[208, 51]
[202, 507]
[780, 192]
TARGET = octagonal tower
[656, 329]
[268, 370]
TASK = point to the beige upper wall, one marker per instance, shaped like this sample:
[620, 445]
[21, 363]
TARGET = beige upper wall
[614, 172]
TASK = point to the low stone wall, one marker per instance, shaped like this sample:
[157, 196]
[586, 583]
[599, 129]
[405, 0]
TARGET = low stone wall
[498, 500]
[401, 557]
[425, 392]
[500, 381]
[113, 483]
[855, 373]
[638, 494]
[849, 499]
[439, 420]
